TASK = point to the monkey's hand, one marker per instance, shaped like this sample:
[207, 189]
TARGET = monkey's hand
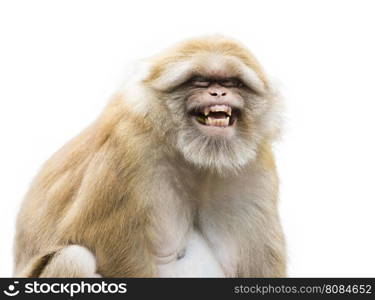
[66, 262]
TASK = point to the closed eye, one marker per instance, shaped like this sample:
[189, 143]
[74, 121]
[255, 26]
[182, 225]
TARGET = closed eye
[231, 82]
[199, 81]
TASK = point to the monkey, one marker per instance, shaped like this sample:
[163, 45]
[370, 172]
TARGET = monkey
[175, 178]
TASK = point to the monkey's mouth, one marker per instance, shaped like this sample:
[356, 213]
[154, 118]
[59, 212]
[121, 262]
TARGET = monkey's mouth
[216, 115]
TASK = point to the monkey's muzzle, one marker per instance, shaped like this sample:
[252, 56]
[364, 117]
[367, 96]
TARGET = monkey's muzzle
[216, 115]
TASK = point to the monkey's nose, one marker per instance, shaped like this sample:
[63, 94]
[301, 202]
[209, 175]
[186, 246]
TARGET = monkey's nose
[217, 92]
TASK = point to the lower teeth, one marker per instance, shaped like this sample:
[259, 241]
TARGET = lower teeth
[214, 122]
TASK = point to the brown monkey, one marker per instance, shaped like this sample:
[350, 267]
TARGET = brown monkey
[175, 178]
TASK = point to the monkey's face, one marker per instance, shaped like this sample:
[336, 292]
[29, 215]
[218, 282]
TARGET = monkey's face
[215, 105]
[215, 121]
[215, 101]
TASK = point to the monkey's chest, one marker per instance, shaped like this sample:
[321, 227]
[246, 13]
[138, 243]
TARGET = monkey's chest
[198, 257]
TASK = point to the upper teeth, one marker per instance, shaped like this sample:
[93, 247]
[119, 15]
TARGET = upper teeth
[215, 108]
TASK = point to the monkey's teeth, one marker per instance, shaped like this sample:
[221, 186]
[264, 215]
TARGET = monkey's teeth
[218, 108]
[229, 111]
[207, 110]
[217, 122]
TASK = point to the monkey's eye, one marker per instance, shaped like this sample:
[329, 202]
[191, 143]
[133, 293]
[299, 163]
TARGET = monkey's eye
[200, 81]
[231, 82]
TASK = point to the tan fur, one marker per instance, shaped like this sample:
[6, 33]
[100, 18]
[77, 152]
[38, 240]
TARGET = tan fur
[122, 190]
[212, 44]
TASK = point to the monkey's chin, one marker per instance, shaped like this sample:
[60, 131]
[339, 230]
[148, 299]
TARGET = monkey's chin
[211, 130]
[222, 150]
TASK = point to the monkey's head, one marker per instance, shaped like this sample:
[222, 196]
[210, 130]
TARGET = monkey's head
[211, 97]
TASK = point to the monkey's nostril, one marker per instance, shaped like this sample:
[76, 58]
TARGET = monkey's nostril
[218, 93]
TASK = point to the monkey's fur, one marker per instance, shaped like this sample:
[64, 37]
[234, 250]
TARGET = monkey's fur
[143, 192]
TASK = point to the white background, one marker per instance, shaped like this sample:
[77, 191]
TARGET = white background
[61, 60]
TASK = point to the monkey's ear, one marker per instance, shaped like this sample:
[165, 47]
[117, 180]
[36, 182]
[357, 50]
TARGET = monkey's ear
[37, 264]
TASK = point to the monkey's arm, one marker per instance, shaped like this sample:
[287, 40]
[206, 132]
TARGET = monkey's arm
[266, 245]
[83, 196]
